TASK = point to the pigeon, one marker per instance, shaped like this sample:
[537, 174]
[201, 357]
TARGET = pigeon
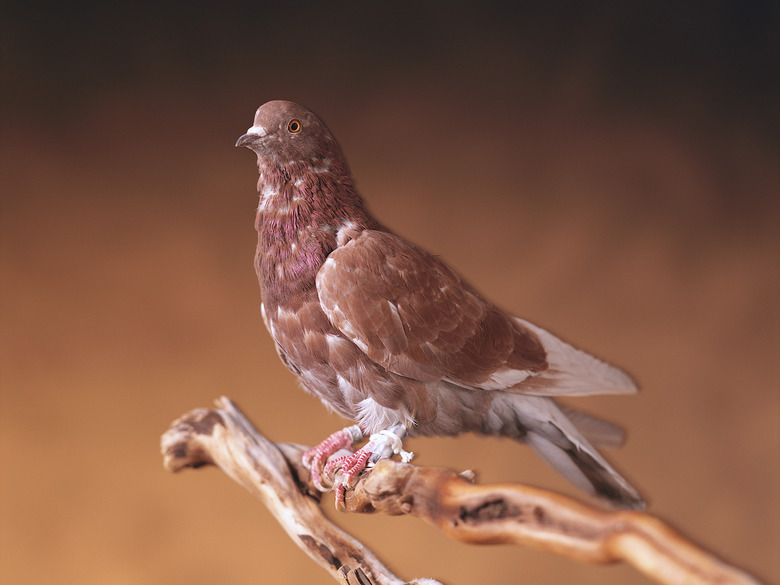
[388, 336]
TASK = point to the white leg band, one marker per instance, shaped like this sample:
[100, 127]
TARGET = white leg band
[355, 433]
[389, 442]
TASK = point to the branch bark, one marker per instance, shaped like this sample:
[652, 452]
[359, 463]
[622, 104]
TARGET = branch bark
[474, 514]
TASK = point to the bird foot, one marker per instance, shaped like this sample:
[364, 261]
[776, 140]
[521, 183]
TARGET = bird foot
[381, 445]
[314, 459]
[350, 466]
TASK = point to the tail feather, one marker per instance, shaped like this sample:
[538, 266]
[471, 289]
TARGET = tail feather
[599, 432]
[588, 471]
[540, 422]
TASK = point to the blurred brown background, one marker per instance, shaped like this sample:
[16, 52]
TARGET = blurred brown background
[609, 172]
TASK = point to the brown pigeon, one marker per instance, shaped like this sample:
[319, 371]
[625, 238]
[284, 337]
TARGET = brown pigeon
[389, 336]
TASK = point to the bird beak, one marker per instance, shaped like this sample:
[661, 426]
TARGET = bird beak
[247, 140]
[252, 136]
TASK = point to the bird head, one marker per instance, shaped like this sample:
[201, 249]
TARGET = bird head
[287, 135]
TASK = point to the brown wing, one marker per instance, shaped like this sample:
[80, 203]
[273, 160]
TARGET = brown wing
[413, 315]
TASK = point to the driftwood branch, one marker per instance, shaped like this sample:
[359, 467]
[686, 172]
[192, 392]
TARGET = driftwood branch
[474, 514]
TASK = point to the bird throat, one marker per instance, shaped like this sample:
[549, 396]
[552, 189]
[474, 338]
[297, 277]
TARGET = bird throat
[296, 230]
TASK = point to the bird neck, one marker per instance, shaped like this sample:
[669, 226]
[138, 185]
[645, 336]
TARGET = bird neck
[298, 222]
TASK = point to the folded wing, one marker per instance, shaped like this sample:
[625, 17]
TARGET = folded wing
[416, 317]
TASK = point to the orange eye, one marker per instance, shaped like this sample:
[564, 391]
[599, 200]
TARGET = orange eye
[294, 126]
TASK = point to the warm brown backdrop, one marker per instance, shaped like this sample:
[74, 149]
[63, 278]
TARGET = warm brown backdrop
[610, 173]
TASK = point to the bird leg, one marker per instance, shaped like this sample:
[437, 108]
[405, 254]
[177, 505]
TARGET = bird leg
[315, 458]
[381, 445]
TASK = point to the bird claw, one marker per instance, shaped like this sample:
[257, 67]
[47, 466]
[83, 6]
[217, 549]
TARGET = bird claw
[315, 458]
[381, 445]
[351, 466]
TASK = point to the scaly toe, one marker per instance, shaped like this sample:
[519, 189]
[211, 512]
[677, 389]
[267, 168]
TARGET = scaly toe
[315, 459]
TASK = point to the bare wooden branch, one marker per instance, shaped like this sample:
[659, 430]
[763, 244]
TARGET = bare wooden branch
[225, 438]
[474, 514]
[524, 515]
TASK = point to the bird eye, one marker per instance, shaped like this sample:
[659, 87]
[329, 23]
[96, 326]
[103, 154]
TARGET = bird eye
[294, 126]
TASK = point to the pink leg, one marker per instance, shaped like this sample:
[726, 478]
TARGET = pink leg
[351, 466]
[315, 458]
[381, 445]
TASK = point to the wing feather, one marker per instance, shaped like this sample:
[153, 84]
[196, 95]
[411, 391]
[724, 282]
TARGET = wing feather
[416, 317]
